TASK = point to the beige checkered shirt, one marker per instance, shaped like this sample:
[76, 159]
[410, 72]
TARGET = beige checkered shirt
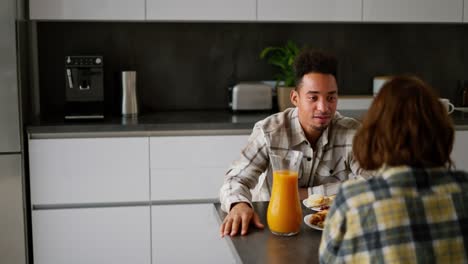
[323, 169]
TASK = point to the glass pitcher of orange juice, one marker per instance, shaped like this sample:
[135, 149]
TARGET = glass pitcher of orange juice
[284, 214]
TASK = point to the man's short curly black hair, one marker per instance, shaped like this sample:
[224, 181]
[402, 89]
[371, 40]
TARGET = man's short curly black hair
[318, 61]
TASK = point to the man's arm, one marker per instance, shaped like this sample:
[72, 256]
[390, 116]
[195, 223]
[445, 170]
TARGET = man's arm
[242, 176]
[356, 171]
[243, 173]
[239, 216]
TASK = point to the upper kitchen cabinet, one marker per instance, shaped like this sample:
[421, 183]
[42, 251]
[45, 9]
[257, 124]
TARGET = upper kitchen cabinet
[309, 10]
[413, 10]
[201, 10]
[87, 9]
[465, 11]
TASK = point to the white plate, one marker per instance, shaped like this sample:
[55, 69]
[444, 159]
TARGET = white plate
[314, 208]
[306, 221]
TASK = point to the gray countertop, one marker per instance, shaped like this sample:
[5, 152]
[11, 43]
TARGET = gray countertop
[217, 121]
[261, 246]
[161, 123]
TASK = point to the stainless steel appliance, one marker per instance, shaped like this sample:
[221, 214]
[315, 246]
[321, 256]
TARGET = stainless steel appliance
[84, 87]
[250, 97]
[129, 94]
[12, 207]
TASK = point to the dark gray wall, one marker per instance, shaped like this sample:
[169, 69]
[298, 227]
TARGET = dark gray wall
[185, 66]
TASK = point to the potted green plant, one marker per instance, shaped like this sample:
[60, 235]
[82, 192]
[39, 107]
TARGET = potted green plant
[283, 58]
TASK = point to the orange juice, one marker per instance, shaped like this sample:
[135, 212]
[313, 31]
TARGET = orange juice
[284, 215]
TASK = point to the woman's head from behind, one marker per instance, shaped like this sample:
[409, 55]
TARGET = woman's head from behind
[405, 125]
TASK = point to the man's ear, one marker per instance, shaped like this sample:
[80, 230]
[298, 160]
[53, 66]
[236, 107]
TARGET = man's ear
[294, 96]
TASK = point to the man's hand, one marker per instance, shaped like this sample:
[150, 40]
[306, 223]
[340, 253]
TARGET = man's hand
[239, 216]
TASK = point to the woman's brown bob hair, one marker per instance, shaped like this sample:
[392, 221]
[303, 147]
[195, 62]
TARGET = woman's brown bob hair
[405, 125]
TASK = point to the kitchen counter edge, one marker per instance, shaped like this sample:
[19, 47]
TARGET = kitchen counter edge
[201, 123]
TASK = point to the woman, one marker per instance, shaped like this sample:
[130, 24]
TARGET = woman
[415, 209]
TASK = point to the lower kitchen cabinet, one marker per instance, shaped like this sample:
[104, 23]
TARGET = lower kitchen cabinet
[89, 170]
[92, 235]
[191, 167]
[460, 150]
[188, 233]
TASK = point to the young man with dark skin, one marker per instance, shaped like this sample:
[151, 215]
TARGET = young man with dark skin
[313, 126]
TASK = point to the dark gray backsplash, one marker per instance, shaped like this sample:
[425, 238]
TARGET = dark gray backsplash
[189, 66]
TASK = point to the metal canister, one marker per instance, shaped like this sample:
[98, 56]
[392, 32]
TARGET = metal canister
[129, 94]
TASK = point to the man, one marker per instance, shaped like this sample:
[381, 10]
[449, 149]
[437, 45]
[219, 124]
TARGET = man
[313, 127]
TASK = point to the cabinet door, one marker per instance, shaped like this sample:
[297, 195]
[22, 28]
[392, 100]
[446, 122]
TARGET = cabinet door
[92, 235]
[89, 170]
[413, 10]
[310, 10]
[9, 115]
[189, 234]
[87, 9]
[221, 10]
[465, 11]
[12, 227]
[460, 150]
[191, 167]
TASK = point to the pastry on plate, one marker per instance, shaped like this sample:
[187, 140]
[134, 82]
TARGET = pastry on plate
[318, 219]
[317, 200]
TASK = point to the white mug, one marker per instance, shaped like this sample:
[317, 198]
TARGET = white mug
[448, 106]
[378, 82]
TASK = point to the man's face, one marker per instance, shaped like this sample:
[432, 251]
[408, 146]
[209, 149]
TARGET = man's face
[316, 99]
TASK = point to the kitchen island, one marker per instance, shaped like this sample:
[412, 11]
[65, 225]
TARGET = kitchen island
[261, 246]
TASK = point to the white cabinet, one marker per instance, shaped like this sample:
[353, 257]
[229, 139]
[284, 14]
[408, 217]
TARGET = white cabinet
[87, 9]
[460, 150]
[252, 10]
[191, 167]
[309, 10]
[465, 11]
[92, 235]
[94, 197]
[188, 234]
[413, 10]
[89, 170]
[204, 10]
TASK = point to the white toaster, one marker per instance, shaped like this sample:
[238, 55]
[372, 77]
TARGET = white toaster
[250, 97]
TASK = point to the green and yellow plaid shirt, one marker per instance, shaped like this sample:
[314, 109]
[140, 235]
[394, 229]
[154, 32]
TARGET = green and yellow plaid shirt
[406, 215]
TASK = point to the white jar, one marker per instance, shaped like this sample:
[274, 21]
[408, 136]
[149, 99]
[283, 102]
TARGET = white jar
[378, 82]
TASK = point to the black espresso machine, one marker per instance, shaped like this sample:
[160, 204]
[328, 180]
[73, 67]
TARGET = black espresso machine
[84, 84]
